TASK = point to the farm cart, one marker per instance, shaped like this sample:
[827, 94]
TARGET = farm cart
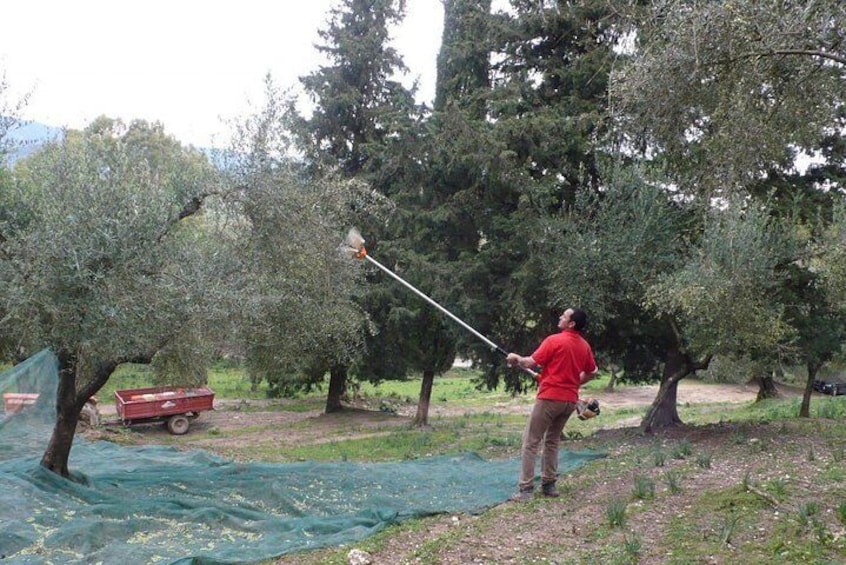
[175, 406]
[17, 401]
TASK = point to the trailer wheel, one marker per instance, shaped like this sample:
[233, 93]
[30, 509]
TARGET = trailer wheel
[178, 425]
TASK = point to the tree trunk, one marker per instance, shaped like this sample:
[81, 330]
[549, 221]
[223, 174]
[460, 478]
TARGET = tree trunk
[71, 396]
[664, 412]
[422, 417]
[766, 387]
[613, 381]
[805, 408]
[337, 386]
[56, 455]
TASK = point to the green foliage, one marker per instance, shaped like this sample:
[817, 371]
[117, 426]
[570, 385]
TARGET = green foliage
[731, 369]
[463, 61]
[673, 480]
[93, 243]
[359, 103]
[644, 488]
[724, 295]
[742, 91]
[514, 138]
[833, 257]
[120, 245]
[615, 513]
[607, 254]
[365, 125]
[298, 316]
[741, 85]
[615, 245]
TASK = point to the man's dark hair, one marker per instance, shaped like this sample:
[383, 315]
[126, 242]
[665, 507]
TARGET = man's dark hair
[579, 318]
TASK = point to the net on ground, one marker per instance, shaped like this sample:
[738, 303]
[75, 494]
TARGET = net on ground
[163, 505]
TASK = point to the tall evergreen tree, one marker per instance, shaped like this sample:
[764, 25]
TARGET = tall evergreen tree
[439, 232]
[359, 101]
[515, 144]
[363, 124]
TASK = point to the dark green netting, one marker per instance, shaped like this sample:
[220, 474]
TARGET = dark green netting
[163, 505]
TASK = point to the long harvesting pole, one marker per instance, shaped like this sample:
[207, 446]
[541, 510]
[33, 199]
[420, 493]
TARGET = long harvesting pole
[464, 325]
[354, 247]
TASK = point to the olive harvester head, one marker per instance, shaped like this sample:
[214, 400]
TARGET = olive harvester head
[353, 246]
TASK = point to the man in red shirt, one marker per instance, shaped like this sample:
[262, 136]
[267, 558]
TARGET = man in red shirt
[566, 362]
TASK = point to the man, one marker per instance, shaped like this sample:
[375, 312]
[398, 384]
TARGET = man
[566, 362]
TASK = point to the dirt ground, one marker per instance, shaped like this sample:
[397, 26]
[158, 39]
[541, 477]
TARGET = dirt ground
[360, 420]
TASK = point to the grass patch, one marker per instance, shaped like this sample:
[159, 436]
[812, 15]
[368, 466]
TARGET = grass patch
[712, 526]
[644, 488]
[615, 513]
[456, 385]
[226, 381]
[703, 460]
[673, 480]
[682, 449]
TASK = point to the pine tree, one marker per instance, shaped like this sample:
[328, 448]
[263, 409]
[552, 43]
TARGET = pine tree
[364, 124]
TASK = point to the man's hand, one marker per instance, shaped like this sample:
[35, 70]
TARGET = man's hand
[514, 360]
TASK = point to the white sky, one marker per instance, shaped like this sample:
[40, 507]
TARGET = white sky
[190, 64]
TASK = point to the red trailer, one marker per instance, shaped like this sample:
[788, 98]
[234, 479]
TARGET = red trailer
[176, 406]
[17, 401]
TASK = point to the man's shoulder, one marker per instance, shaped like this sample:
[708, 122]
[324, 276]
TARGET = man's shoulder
[572, 336]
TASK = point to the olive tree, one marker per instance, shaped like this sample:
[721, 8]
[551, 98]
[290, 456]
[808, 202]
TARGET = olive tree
[301, 319]
[745, 88]
[726, 90]
[833, 257]
[605, 256]
[99, 256]
[727, 297]
[117, 245]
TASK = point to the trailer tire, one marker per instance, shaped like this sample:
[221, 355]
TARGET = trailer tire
[178, 425]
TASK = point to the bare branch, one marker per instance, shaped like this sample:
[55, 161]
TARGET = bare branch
[814, 53]
[193, 206]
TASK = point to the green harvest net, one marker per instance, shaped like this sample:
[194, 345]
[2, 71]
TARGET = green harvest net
[163, 505]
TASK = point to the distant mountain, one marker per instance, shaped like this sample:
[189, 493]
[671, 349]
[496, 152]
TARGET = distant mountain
[28, 138]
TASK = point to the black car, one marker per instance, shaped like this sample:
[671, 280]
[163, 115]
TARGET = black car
[833, 387]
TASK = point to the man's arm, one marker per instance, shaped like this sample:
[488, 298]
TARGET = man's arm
[587, 377]
[514, 360]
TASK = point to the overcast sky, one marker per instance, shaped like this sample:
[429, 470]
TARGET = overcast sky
[190, 64]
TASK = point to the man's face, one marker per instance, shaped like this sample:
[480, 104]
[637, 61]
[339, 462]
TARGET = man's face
[564, 321]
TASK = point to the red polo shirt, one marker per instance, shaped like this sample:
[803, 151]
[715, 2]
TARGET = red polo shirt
[563, 357]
